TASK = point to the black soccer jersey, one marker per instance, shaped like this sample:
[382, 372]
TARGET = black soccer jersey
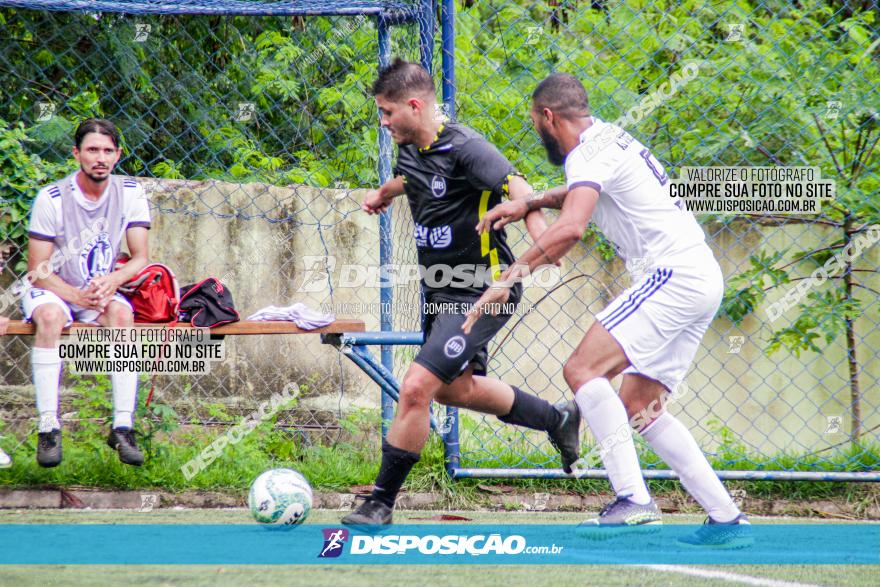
[450, 185]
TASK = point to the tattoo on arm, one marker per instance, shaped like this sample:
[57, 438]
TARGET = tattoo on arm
[545, 200]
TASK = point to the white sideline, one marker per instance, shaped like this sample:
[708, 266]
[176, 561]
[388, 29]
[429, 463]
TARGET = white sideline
[725, 576]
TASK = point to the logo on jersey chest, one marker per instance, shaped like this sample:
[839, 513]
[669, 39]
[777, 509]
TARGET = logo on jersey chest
[96, 257]
[438, 186]
[439, 237]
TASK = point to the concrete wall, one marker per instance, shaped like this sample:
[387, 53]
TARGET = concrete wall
[779, 402]
[254, 239]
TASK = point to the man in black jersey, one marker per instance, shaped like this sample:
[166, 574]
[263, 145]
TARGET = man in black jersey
[451, 176]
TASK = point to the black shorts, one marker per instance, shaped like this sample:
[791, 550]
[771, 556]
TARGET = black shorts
[448, 350]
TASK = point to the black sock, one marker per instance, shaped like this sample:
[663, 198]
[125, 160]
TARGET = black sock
[532, 412]
[396, 465]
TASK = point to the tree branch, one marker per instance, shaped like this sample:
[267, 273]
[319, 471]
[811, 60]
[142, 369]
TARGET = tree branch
[805, 255]
[772, 220]
[870, 289]
[841, 276]
[827, 144]
[36, 83]
[856, 154]
[769, 155]
[864, 228]
[867, 157]
[769, 287]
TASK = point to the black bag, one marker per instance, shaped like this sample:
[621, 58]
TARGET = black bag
[206, 304]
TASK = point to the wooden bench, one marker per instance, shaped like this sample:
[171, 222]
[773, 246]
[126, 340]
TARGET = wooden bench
[20, 327]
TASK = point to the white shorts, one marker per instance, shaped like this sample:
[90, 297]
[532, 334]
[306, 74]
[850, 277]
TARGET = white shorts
[36, 297]
[660, 321]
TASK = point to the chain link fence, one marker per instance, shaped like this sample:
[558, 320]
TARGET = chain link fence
[721, 84]
[254, 135]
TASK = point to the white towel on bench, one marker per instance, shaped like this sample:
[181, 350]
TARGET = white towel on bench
[298, 313]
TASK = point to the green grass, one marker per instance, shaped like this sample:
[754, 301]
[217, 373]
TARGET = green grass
[354, 459]
[95, 465]
[338, 468]
[388, 575]
[362, 576]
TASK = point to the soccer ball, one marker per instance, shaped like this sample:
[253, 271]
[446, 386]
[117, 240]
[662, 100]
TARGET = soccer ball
[280, 498]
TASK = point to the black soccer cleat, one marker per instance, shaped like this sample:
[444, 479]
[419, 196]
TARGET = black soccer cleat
[566, 438]
[49, 448]
[370, 513]
[122, 441]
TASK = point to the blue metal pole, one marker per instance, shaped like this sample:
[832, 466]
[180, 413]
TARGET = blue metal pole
[447, 39]
[873, 476]
[391, 386]
[380, 338]
[386, 291]
[368, 366]
[426, 35]
[449, 428]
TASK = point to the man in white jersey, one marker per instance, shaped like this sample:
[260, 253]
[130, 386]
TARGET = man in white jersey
[651, 332]
[76, 229]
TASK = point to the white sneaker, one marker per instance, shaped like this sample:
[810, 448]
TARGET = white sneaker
[5, 460]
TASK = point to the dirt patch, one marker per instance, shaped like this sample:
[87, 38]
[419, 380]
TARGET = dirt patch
[83, 497]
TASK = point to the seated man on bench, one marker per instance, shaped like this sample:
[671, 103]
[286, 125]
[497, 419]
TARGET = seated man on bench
[75, 231]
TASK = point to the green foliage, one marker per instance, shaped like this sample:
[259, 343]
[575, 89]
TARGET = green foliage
[745, 291]
[92, 401]
[602, 244]
[22, 173]
[798, 73]
[217, 411]
[159, 421]
[177, 95]
[355, 460]
[167, 169]
[824, 317]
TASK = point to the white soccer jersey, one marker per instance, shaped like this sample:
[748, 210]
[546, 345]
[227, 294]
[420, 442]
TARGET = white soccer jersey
[62, 214]
[634, 210]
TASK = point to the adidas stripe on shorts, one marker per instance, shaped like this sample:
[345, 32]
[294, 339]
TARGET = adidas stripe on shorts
[660, 320]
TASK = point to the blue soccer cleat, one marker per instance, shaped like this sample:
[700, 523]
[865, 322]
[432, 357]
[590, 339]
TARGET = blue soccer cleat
[736, 533]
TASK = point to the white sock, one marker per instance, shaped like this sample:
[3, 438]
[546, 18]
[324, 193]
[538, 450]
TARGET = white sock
[124, 396]
[606, 416]
[676, 446]
[46, 365]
